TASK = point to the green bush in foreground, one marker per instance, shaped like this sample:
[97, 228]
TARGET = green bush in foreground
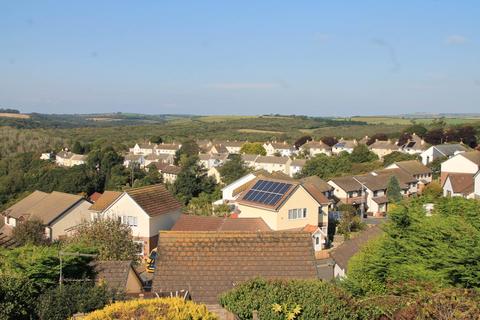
[317, 299]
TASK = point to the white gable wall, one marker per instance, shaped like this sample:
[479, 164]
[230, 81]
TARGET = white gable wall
[459, 164]
[126, 206]
[71, 218]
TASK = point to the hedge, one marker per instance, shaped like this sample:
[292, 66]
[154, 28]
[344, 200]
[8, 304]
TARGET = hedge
[153, 309]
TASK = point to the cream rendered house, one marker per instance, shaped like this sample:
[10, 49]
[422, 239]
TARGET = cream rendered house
[284, 149]
[284, 204]
[66, 158]
[143, 148]
[167, 148]
[147, 210]
[383, 148]
[316, 147]
[272, 163]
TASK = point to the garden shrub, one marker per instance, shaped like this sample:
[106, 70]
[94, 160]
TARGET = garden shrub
[153, 309]
[317, 299]
[62, 302]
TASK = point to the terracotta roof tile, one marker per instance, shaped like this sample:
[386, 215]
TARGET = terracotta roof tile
[210, 263]
[461, 182]
[154, 200]
[105, 200]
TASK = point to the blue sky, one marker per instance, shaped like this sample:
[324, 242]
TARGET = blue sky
[323, 58]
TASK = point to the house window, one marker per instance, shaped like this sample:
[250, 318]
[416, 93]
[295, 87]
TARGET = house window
[300, 213]
[130, 221]
[320, 211]
[317, 241]
[375, 193]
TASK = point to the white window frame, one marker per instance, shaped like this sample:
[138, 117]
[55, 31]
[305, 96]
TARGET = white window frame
[297, 213]
[130, 221]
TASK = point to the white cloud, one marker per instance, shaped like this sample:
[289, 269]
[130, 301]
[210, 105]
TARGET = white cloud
[456, 39]
[244, 85]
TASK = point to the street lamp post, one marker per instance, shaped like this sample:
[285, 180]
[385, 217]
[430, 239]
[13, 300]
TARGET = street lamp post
[363, 198]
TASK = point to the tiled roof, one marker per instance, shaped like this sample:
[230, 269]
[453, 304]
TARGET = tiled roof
[171, 169]
[413, 167]
[461, 182]
[349, 248]
[473, 156]
[105, 200]
[203, 223]
[298, 162]
[315, 193]
[167, 146]
[450, 149]
[210, 263]
[316, 145]
[272, 159]
[346, 144]
[386, 145]
[159, 165]
[347, 183]
[249, 157]
[281, 145]
[94, 196]
[114, 273]
[380, 200]
[44, 206]
[154, 200]
[319, 183]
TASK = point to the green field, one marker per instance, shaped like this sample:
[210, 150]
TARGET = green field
[408, 121]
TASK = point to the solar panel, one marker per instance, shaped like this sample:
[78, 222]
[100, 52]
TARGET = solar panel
[267, 192]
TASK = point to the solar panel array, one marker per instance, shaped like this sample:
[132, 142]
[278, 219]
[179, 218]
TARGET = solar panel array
[267, 192]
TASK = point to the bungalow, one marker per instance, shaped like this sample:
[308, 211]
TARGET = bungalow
[313, 148]
[344, 252]
[296, 166]
[284, 204]
[59, 212]
[118, 276]
[273, 163]
[344, 145]
[465, 162]
[383, 148]
[442, 150]
[167, 148]
[224, 259]
[66, 158]
[459, 185]
[147, 210]
[282, 149]
[415, 145]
